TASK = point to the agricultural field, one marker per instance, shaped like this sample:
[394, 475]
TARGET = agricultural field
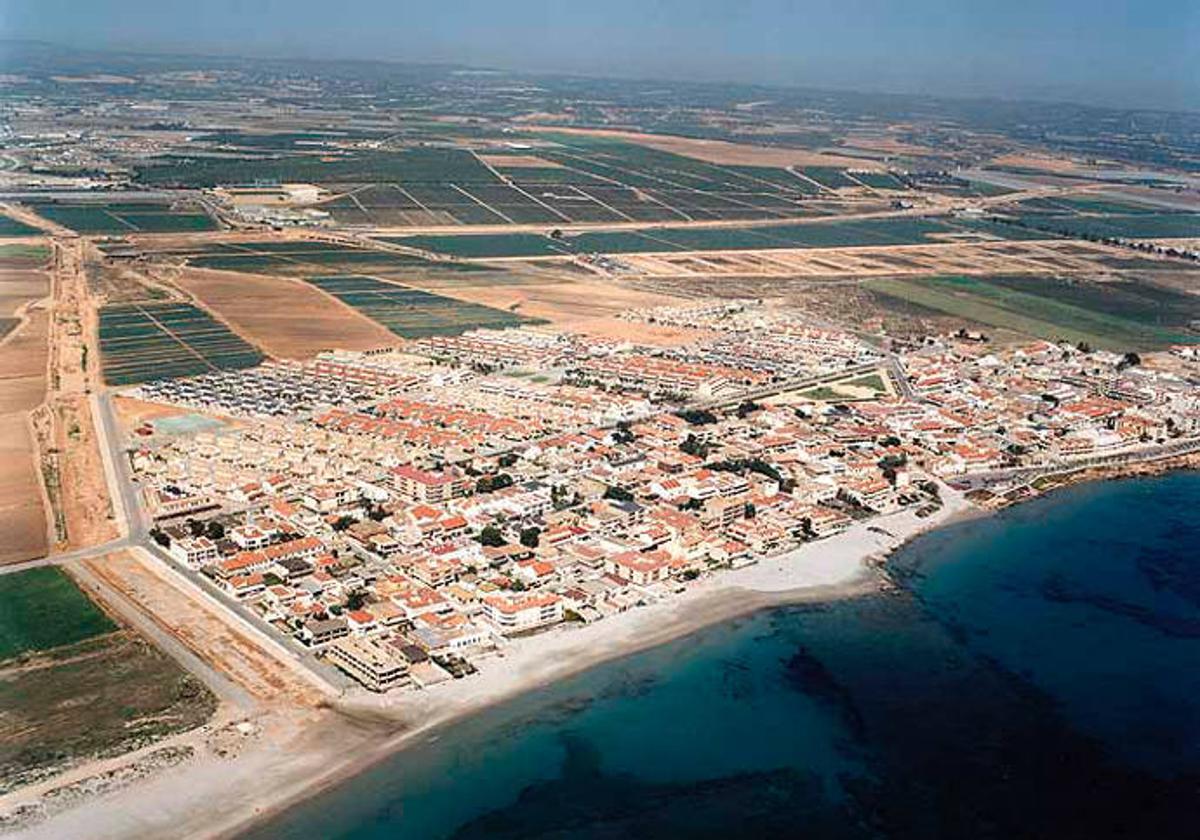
[144, 341]
[1130, 226]
[567, 179]
[75, 687]
[287, 318]
[879, 180]
[412, 313]
[823, 234]
[303, 257]
[117, 218]
[42, 609]
[10, 227]
[1115, 315]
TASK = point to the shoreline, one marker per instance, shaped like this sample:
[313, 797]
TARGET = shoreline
[307, 752]
[847, 573]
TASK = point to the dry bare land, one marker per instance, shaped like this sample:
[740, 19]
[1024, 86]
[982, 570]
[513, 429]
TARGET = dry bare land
[719, 151]
[82, 691]
[585, 304]
[22, 517]
[23, 357]
[958, 258]
[206, 628]
[287, 318]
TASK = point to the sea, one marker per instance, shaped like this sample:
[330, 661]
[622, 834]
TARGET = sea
[1035, 673]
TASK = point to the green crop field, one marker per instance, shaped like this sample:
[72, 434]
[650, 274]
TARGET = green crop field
[11, 227]
[144, 341]
[823, 234]
[412, 313]
[305, 257]
[123, 217]
[42, 609]
[829, 176]
[1117, 316]
[418, 165]
[879, 180]
[1134, 226]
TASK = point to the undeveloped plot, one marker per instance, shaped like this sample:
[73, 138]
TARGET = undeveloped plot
[719, 151]
[587, 305]
[287, 318]
[22, 517]
[956, 258]
[205, 627]
[23, 357]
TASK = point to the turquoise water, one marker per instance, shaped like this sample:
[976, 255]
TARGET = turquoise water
[1037, 673]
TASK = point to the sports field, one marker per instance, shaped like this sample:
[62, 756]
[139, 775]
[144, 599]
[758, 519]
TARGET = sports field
[412, 313]
[123, 217]
[1117, 316]
[42, 609]
[144, 341]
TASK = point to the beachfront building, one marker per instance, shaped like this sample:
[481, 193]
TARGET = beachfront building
[374, 664]
[511, 614]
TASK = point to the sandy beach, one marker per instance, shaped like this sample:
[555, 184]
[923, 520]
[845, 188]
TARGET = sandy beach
[300, 752]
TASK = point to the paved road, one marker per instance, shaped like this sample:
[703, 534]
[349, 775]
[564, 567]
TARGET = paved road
[981, 480]
[782, 387]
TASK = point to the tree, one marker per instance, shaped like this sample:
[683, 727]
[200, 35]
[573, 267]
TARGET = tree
[160, 537]
[343, 522]
[692, 446]
[1129, 360]
[751, 511]
[623, 433]
[272, 579]
[356, 599]
[692, 504]
[506, 460]
[530, 537]
[618, 494]
[490, 535]
[215, 530]
[195, 527]
[491, 483]
[747, 408]
[698, 416]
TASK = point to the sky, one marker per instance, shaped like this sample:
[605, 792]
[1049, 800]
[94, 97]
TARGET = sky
[1119, 52]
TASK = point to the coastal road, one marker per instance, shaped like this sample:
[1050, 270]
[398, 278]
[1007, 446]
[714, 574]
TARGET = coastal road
[983, 480]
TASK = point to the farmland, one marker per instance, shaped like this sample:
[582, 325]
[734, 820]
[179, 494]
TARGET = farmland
[567, 179]
[1132, 226]
[302, 257]
[1113, 315]
[10, 227]
[412, 313]
[824, 234]
[75, 686]
[42, 609]
[144, 341]
[287, 318]
[123, 217]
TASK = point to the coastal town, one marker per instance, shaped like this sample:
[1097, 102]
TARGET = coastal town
[437, 450]
[404, 514]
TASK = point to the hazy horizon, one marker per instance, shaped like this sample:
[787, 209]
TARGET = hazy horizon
[1124, 55]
